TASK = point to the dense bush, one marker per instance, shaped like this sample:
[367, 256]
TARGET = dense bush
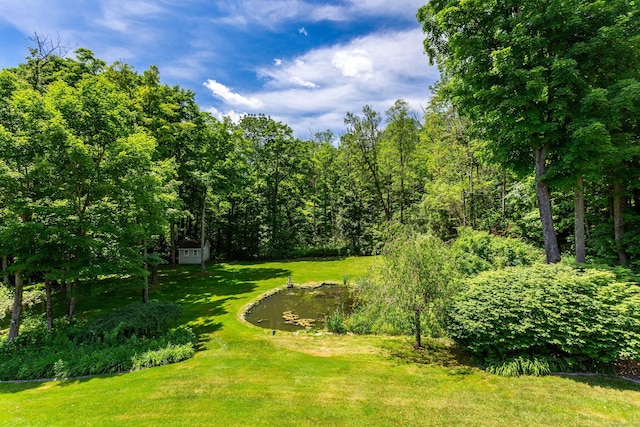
[477, 251]
[359, 322]
[568, 318]
[139, 319]
[335, 322]
[101, 347]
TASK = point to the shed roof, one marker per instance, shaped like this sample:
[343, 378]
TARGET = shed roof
[189, 244]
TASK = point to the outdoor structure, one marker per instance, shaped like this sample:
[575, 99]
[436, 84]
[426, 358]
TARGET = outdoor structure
[189, 251]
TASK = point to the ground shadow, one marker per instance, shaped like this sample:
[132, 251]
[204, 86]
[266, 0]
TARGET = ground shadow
[202, 296]
[289, 261]
[603, 381]
[447, 355]
[438, 352]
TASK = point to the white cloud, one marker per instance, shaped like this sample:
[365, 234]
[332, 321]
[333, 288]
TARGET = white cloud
[328, 13]
[375, 70]
[275, 12]
[384, 7]
[303, 31]
[353, 63]
[186, 67]
[112, 29]
[55, 20]
[230, 97]
[29, 15]
[277, 62]
[298, 81]
[122, 15]
[234, 116]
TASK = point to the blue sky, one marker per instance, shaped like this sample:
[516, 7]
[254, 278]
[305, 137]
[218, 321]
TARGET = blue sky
[305, 63]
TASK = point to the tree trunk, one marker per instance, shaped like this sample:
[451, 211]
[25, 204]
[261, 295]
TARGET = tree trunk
[618, 222]
[172, 236]
[504, 193]
[5, 273]
[544, 206]
[145, 289]
[472, 208]
[48, 305]
[418, 343]
[203, 266]
[579, 222]
[464, 208]
[14, 329]
[154, 275]
[71, 297]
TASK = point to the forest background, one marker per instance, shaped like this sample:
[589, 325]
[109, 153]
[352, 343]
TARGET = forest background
[105, 169]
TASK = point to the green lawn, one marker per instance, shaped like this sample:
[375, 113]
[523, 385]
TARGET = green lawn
[242, 375]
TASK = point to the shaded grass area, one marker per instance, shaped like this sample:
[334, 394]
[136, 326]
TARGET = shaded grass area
[243, 375]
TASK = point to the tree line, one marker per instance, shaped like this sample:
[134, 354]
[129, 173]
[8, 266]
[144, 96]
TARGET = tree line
[104, 169]
[553, 86]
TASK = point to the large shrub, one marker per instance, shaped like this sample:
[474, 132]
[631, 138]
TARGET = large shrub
[131, 338]
[569, 318]
[477, 251]
[138, 319]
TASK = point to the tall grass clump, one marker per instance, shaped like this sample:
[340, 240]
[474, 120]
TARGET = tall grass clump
[336, 322]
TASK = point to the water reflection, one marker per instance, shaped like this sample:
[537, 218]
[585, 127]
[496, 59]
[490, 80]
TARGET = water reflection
[294, 309]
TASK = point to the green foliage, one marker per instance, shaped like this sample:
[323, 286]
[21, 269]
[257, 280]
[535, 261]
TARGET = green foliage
[74, 349]
[516, 366]
[6, 300]
[583, 319]
[554, 82]
[280, 378]
[477, 251]
[172, 353]
[139, 319]
[319, 252]
[361, 321]
[60, 370]
[336, 322]
[410, 290]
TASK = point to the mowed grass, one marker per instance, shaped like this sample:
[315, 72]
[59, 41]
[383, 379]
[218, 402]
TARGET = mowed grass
[243, 375]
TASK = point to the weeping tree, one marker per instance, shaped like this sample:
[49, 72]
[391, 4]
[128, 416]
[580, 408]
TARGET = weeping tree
[413, 284]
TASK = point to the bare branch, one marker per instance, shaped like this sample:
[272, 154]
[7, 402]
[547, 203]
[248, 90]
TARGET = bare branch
[45, 47]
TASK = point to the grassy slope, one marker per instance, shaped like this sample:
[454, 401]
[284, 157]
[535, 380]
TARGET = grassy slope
[245, 376]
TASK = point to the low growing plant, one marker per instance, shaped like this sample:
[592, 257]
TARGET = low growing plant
[73, 349]
[521, 365]
[172, 353]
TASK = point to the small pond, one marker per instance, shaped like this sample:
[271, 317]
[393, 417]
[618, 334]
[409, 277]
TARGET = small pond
[294, 309]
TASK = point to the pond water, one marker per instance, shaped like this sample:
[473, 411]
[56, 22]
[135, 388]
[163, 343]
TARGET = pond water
[294, 308]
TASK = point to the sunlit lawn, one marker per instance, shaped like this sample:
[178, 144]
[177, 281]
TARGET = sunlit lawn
[243, 375]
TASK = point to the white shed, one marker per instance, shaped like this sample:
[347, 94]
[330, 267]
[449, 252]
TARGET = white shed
[189, 251]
